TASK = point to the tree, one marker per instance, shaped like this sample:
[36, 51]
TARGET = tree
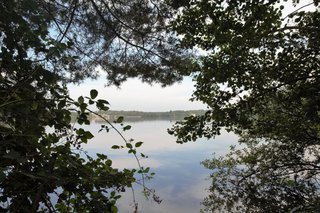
[260, 79]
[44, 46]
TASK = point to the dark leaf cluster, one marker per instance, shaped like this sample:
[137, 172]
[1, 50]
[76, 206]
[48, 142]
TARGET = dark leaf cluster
[45, 44]
[260, 78]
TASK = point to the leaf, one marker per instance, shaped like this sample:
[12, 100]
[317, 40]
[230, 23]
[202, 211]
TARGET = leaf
[89, 135]
[93, 93]
[126, 128]
[114, 209]
[147, 170]
[102, 156]
[132, 151]
[103, 101]
[138, 144]
[129, 145]
[80, 100]
[62, 104]
[115, 147]
[119, 119]
[101, 104]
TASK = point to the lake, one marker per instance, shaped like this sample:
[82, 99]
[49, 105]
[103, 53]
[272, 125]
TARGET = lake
[180, 179]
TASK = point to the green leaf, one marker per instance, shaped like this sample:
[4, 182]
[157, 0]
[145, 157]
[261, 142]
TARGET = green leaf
[132, 151]
[138, 144]
[115, 147]
[114, 209]
[93, 93]
[103, 101]
[62, 104]
[102, 156]
[147, 170]
[129, 145]
[101, 105]
[89, 135]
[126, 127]
[80, 100]
[119, 119]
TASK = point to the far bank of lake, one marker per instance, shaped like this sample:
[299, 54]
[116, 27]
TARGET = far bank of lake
[133, 116]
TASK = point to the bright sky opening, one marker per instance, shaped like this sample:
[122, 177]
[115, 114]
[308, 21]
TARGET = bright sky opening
[135, 95]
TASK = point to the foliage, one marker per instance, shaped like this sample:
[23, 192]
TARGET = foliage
[74, 37]
[260, 79]
[38, 166]
[45, 44]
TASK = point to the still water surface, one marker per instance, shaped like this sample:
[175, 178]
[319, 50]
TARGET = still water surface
[180, 179]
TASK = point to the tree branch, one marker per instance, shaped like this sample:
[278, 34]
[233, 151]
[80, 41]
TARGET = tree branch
[70, 21]
[296, 28]
[298, 10]
[95, 6]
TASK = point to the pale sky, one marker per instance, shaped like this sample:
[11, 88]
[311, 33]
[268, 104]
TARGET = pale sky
[135, 95]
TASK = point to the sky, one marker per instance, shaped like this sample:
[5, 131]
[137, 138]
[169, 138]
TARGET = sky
[135, 95]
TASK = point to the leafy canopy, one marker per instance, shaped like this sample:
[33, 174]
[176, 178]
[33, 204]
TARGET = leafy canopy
[45, 44]
[260, 79]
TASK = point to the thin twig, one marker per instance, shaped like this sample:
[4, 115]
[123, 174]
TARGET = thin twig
[297, 10]
[70, 21]
[125, 140]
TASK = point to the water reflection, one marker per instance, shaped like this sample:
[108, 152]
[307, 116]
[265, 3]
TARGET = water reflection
[180, 179]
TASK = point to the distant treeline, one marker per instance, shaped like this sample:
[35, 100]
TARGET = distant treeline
[140, 116]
